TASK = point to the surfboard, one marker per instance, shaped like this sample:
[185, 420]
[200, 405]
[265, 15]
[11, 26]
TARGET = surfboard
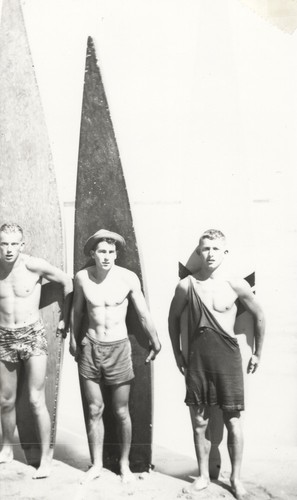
[102, 203]
[244, 330]
[28, 196]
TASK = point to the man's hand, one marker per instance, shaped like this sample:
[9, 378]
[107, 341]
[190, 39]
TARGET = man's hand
[253, 364]
[61, 330]
[153, 353]
[181, 364]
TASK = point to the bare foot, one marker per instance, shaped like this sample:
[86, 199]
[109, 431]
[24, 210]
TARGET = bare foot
[238, 490]
[6, 455]
[126, 475]
[93, 473]
[42, 472]
[199, 484]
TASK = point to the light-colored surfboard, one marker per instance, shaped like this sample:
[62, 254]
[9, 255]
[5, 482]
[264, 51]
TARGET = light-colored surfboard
[102, 202]
[28, 196]
[244, 330]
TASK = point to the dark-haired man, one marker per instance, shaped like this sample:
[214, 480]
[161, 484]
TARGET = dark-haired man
[213, 370]
[23, 338]
[104, 355]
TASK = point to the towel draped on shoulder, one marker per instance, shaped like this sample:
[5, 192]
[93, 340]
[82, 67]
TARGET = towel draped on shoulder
[214, 373]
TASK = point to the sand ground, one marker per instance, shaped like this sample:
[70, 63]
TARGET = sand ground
[65, 483]
[266, 478]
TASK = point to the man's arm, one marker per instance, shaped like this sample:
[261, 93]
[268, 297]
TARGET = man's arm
[144, 316]
[52, 273]
[177, 306]
[249, 301]
[76, 316]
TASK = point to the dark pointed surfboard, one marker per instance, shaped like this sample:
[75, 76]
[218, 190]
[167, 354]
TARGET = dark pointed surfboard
[28, 196]
[102, 202]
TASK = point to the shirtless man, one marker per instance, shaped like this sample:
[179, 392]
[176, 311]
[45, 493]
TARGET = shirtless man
[104, 355]
[213, 370]
[23, 339]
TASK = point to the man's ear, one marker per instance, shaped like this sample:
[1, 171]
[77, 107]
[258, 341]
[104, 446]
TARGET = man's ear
[22, 246]
[92, 254]
[198, 250]
[226, 251]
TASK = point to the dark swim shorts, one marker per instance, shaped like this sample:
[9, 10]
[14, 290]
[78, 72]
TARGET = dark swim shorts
[107, 361]
[22, 343]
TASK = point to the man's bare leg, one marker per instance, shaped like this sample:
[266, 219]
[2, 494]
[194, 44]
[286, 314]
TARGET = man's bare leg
[235, 448]
[95, 428]
[8, 389]
[36, 372]
[200, 419]
[120, 402]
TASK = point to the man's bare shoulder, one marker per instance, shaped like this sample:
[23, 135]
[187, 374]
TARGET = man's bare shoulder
[126, 275]
[84, 274]
[123, 271]
[33, 264]
[238, 284]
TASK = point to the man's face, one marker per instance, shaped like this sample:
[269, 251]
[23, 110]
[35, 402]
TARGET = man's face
[104, 255]
[212, 252]
[11, 244]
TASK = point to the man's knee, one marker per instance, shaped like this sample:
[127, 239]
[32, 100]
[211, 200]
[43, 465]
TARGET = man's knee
[7, 402]
[96, 410]
[200, 418]
[200, 426]
[37, 401]
[122, 413]
[232, 420]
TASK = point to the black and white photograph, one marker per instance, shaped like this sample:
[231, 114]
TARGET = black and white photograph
[148, 235]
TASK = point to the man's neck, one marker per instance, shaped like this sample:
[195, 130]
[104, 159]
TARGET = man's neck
[100, 274]
[206, 273]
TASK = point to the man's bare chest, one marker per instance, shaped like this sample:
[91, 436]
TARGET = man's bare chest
[19, 285]
[106, 295]
[217, 295]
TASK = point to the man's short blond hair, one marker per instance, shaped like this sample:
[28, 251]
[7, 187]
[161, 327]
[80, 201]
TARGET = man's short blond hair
[11, 227]
[212, 234]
